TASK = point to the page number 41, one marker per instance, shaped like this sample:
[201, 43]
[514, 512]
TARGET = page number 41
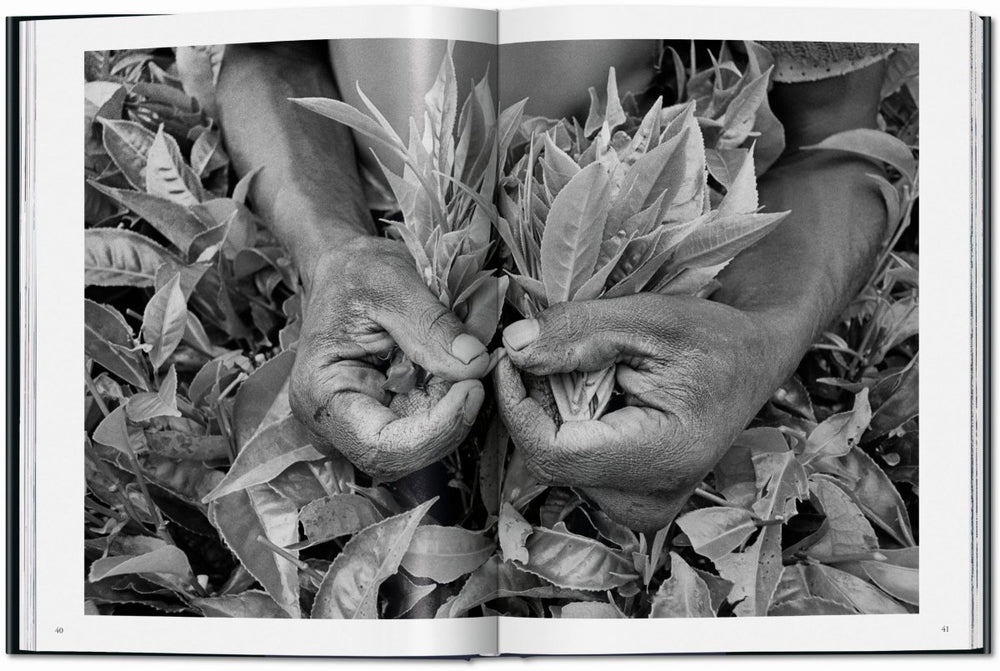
[945, 629]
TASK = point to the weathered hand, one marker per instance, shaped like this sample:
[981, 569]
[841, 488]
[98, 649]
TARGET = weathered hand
[364, 300]
[694, 373]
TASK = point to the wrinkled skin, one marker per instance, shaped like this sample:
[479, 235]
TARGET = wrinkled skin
[695, 370]
[365, 300]
[683, 364]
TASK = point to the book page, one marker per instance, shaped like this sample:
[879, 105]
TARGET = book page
[219, 181]
[660, 155]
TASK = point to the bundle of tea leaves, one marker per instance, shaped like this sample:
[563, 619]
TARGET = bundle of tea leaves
[623, 205]
[446, 229]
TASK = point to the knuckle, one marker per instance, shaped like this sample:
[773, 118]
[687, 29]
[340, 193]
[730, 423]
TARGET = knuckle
[431, 316]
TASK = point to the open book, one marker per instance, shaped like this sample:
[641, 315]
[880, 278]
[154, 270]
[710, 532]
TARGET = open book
[466, 328]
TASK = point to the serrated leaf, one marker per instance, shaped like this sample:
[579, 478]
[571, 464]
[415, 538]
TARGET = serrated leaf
[513, 531]
[873, 144]
[811, 605]
[872, 490]
[848, 532]
[127, 143]
[831, 583]
[571, 561]
[167, 175]
[444, 554]
[734, 476]
[244, 516]
[781, 481]
[247, 604]
[350, 588]
[407, 595]
[683, 594]
[164, 321]
[174, 221]
[351, 117]
[166, 559]
[183, 445]
[723, 238]
[837, 434]
[901, 582]
[262, 398]
[590, 610]
[337, 515]
[571, 240]
[116, 257]
[266, 455]
[716, 531]
[113, 432]
[755, 572]
[103, 326]
[163, 403]
[741, 112]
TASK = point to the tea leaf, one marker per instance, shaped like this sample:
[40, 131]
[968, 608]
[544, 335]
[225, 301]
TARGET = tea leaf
[872, 490]
[837, 434]
[350, 588]
[264, 457]
[262, 398]
[127, 143]
[848, 531]
[103, 326]
[901, 582]
[873, 144]
[720, 240]
[683, 594]
[337, 515]
[714, 532]
[754, 572]
[590, 610]
[245, 515]
[351, 117]
[247, 604]
[812, 605]
[116, 257]
[167, 175]
[575, 562]
[164, 559]
[572, 237]
[163, 403]
[513, 531]
[830, 583]
[164, 321]
[444, 554]
[781, 481]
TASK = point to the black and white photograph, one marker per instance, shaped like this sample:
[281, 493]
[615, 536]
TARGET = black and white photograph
[412, 329]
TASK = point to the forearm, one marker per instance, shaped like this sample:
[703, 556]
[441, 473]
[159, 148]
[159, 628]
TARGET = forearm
[803, 274]
[308, 190]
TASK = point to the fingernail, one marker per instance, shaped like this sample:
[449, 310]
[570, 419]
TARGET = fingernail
[465, 348]
[520, 334]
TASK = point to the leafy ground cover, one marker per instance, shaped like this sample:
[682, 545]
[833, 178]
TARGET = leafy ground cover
[205, 497]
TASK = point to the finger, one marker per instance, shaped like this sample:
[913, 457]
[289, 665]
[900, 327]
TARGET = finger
[386, 446]
[584, 335]
[430, 334]
[625, 449]
[535, 433]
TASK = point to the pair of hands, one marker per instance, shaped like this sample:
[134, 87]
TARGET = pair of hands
[693, 371]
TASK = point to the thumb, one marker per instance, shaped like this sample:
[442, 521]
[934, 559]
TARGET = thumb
[575, 336]
[431, 336]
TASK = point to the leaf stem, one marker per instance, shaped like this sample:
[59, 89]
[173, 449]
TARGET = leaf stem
[92, 388]
[839, 559]
[282, 552]
[714, 498]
